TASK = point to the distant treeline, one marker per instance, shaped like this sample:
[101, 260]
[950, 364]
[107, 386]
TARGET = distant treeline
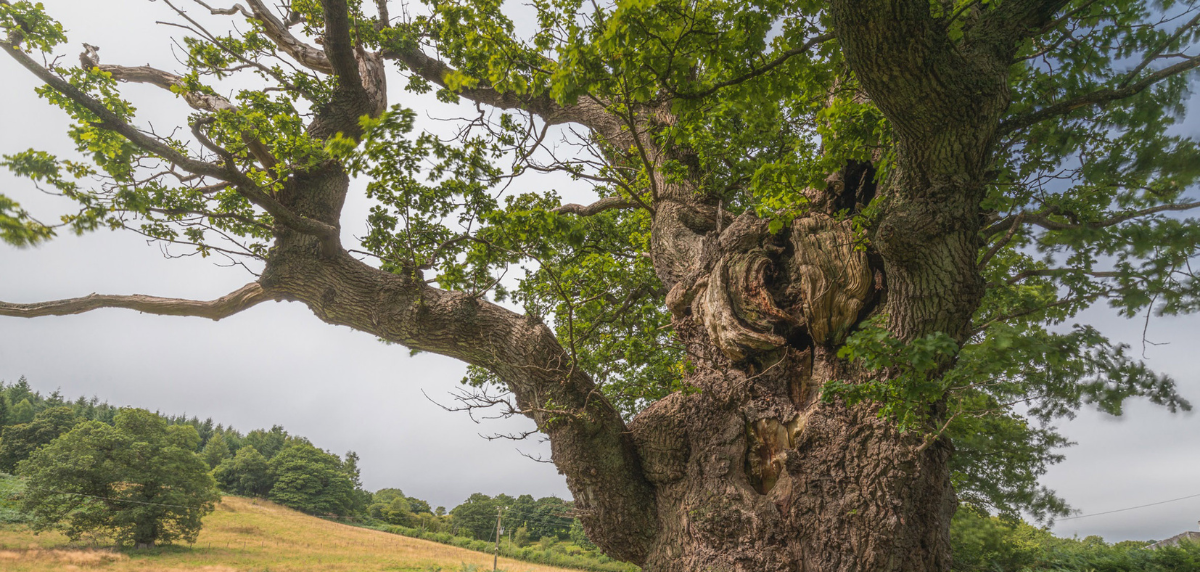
[266, 463]
[984, 543]
[289, 469]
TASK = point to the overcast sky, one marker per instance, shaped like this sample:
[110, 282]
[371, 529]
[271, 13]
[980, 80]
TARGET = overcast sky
[344, 390]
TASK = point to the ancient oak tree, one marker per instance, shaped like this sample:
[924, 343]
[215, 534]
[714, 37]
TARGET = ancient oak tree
[834, 249]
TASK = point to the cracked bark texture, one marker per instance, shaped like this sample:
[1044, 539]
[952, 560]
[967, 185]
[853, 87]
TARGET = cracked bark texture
[751, 472]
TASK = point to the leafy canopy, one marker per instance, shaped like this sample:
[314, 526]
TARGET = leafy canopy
[311, 480]
[138, 480]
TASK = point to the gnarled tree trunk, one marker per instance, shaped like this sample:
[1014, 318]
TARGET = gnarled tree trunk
[754, 471]
[750, 472]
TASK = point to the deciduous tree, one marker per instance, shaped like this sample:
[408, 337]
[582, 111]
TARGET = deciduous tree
[829, 238]
[138, 480]
[476, 516]
[246, 474]
[311, 480]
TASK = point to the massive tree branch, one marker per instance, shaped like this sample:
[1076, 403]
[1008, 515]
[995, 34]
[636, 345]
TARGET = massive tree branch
[223, 307]
[1001, 29]
[361, 85]
[308, 56]
[339, 48]
[590, 442]
[604, 204]
[146, 74]
[587, 112]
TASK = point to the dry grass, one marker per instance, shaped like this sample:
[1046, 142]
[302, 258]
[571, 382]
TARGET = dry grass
[245, 535]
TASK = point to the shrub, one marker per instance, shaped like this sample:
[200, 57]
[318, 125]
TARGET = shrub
[11, 488]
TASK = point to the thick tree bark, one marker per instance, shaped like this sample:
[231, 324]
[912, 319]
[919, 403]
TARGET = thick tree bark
[755, 472]
[760, 484]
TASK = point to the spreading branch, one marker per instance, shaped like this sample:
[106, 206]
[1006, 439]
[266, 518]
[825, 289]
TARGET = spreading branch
[1013, 228]
[114, 123]
[1043, 219]
[1156, 52]
[587, 112]
[339, 47]
[1099, 97]
[223, 307]
[1061, 272]
[245, 187]
[782, 59]
[1004, 26]
[166, 80]
[605, 204]
[308, 56]
[146, 74]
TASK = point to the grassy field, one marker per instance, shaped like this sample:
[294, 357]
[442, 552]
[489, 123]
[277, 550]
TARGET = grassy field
[245, 535]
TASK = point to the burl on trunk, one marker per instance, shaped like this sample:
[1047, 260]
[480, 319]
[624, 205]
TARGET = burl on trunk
[754, 471]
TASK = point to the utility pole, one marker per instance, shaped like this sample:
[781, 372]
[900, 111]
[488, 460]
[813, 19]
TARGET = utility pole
[496, 554]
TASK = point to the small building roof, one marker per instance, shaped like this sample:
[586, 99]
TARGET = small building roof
[1175, 540]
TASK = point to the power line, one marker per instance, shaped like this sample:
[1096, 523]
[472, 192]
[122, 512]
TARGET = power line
[1131, 508]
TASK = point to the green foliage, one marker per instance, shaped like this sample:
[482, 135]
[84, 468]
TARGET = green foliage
[267, 442]
[138, 480]
[476, 517]
[31, 25]
[521, 537]
[544, 517]
[11, 489]
[22, 412]
[579, 536]
[908, 383]
[988, 544]
[311, 480]
[22, 403]
[1000, 452]
[216, 451]
[20, 441]
[392, 507]
[18, 228]
[246, 473]
[237, 464]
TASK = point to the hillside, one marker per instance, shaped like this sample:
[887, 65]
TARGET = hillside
[254, 535]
